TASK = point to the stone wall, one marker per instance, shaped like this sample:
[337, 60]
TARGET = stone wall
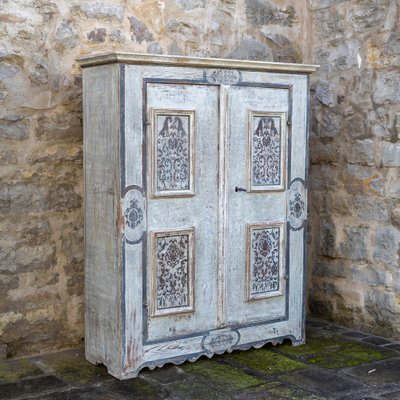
[41, 218]
[354, 274]
[355, 156]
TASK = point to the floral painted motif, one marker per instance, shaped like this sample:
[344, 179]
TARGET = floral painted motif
[172, 264]
[226, 77]
[266, 151]
[264, 260]
[133, 214]
[296, 206]
[173, 152]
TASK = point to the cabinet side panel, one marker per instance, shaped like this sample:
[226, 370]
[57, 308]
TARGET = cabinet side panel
[102, 254]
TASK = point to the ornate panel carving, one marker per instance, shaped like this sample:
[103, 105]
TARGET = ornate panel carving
[173, 270]
[134, 214]
[172, 153]
[264, 260]
[267, 138]
[297, 204]
[220, 340]
[221, 76]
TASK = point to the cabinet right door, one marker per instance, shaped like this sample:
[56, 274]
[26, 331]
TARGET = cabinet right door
[256, 247]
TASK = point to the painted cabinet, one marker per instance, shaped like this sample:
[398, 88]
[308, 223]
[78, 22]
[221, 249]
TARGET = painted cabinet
[195, 207]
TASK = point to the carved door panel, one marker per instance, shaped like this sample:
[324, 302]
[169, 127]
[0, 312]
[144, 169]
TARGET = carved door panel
[256, 205]
[182, 178]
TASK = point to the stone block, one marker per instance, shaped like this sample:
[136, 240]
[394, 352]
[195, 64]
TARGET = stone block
[361, 152]
[387, 88]
[27, 197]
[260, 13]
[101, 10]
[224, 376]
[324, 177]
[330, 122]
[7, 282]
[345, 55]
[324, 152]
[30, 386]
[181, 31]
[72, 367]
[41, 101]
[396, 215]
[190, 4]
[282, 48]
[367, 14]
[57, 152]
[354, 247]
[361, 172]
[370, 208]
[140, 32]
[322, 382]
[251, 49]
[381, 306]
[379, 120]
[330, 269]
[40, 75]
[391, 154]
[34, 258]
[59, 127]
[72, 243]
[98, 35]
[328, 239]
[66, 36]
[63, 197]
[392, 45]
[7, 70]
[154, 48]
[265, 361]
[321, 4]
[13, 127]
[20, 196]
[13, 371]
[354, 127]
[325, 94]
[8, 157]
[328, 24]
[387, 240]
[320, 306]
[385, 372]
[116, 35]
[370, 274]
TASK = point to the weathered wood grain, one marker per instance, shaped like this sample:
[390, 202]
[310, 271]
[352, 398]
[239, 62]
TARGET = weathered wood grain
[102, 224]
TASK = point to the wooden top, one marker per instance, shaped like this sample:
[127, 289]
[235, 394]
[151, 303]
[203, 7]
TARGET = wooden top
[194, 62]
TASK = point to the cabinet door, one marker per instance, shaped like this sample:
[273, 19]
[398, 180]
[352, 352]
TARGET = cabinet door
[255, 237]
[182, 177]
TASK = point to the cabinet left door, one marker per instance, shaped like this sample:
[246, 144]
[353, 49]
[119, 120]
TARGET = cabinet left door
[171, 271]
[182, 189]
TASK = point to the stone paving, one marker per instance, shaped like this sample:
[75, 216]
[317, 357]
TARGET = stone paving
[336, 363]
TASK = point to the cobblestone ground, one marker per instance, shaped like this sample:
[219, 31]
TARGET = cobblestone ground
[336, 363]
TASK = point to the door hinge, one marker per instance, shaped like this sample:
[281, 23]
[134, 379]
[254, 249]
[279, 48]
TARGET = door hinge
[289, 122]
